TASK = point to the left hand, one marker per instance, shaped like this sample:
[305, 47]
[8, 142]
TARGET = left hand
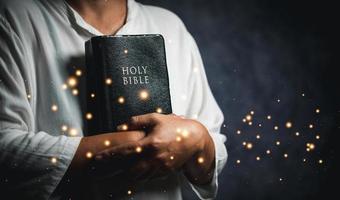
[170, 142]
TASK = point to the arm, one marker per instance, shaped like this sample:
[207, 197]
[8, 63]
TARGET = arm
[177, 143]
[203, 178]
[199, 169]
[77, 176]
[32, 163]
[95, 144]
[25, 154]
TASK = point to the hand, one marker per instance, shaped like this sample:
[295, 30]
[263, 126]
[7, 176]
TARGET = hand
[78, 174]
[170, 142]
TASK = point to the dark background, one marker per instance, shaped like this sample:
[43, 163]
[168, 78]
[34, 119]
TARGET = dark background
[277, 58]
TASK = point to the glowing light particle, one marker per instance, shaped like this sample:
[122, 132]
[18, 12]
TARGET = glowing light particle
[54, 108]
[276, 128]
[73, 132]
[269, 117]
[72, 82]
[297, 133]
[289, 124]
[78, 72]
[159, 110]
[129, 192]
[252, 112]
[108, 81]
[185, 133]
[238, 132]
[144, 94]
[320, 161]
[64, 86]
[250, 123]
[54, 160]
[28, 96]
[123, 127]
[317, 110]
[64, 128]
[285, 155]
[244, 143]
[248, 117]
[317, 137]
[178, 139]
[311, 126]
[121, 100]
[311, 146]
[138, 149]
[200, 160]
[89, 154]
[238, 161]
[249, 145]
[93, 95]
[89, 116]
[258, 136]
[278, 143]
[172, 157]
[258, 158]
[75, 92]
[268, 151]
[126, 51]
[107, 143]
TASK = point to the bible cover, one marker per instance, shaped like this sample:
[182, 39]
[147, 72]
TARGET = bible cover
[126, 75]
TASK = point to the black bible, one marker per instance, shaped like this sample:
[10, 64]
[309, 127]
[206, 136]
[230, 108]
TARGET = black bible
[126, 75]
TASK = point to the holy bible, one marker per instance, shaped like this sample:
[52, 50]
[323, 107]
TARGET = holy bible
[126, 75]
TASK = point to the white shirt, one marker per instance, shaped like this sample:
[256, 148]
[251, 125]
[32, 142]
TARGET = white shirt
[41, 122]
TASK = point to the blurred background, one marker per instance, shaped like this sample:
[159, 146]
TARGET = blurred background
[273, 68]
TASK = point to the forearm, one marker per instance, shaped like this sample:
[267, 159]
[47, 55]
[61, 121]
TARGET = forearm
[199, 169]
[89, 146]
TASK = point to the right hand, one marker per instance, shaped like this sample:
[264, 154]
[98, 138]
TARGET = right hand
[110, 167]
[97, 143]
[80, 165]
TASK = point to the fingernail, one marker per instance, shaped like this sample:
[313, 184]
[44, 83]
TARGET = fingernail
[98, 157]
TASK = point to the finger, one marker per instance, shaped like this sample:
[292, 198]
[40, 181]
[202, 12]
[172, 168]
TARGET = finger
[130, 148]
[144, 170]
[182, 116]
[147, 174]
[143, 121]
[159, 174]
[119, 150]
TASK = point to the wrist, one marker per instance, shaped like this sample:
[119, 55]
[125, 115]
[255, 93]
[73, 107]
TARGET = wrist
[199, 168]
[204, 138]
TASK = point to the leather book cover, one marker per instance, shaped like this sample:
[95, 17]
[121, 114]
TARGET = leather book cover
[126, 75]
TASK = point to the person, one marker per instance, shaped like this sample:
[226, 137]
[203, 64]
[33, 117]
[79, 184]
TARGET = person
[43, 149]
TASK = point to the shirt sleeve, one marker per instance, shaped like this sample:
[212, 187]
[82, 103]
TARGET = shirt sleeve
[204, 108]
[31, 163]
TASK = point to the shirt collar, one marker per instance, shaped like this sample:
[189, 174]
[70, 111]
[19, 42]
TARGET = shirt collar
[79, 24]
